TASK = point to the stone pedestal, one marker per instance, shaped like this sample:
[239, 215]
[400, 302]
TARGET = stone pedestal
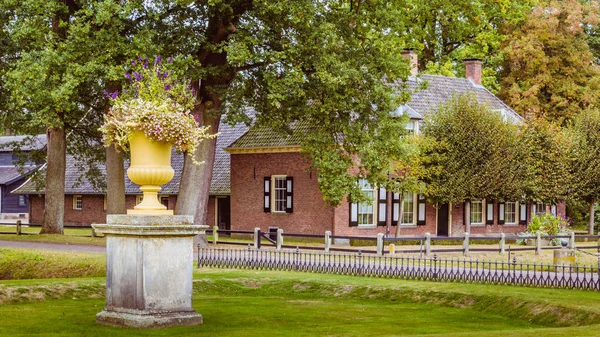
[149, 263]
[564, 257]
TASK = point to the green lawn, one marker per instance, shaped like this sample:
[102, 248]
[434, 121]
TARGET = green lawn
[261, 303]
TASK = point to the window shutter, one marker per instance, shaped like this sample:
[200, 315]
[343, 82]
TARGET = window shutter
[421, 210]
[395, 208]
[553, 210]
[489, 212]
[522, 213]
[501, 213]
[382, 207]
[289, 195]
[353, 214]
[267, 199]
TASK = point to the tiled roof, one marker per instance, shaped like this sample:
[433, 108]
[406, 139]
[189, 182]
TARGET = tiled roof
[262, 136]
[440, 89]
[219, 183]
[437, 91]
[8, 174]
[34, 142]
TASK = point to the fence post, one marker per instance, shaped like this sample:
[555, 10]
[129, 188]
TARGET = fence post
[572, 240]
[538, 243]
[327, 241]
[19, 227]
[379, 244]
[257, 238]
[93, 230]
[466, 245]
[427, 244]
[502, 243]
[279, 238]
[215, 235]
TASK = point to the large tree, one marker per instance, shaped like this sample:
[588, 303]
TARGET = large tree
[473, 153]
[549, 69]
[326, 63]
[445, 32]
[68, 53]
[584, 134]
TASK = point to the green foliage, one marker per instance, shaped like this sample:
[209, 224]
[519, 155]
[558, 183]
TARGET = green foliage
[472, 153]
[547, 224]
[157, 103]
[543, 161]
[584, 157]
[445, 32]
[548, 69]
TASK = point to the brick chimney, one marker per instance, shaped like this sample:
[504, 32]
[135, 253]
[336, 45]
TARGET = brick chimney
[413, 61]
[473, 69]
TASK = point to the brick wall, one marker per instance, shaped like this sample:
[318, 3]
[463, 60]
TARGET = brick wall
[92, 209]
[311, 215]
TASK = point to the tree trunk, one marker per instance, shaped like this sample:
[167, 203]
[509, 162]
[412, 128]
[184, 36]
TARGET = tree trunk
[591, 220]
[400, 211]
[194, 187]
[389, 213]
[115, 182]
[55, 182]
[468, 216]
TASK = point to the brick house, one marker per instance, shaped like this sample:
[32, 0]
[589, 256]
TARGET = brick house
[272, 188]
[86, 204]
[13, 206]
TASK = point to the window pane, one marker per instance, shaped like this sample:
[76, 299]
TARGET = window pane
[365, 209]
[510, 210]
[408, 212]
[279, 194]
[477, 212]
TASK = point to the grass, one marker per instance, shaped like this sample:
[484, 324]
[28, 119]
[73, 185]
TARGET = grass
[18, 264]
[258, 303]
[72, 236]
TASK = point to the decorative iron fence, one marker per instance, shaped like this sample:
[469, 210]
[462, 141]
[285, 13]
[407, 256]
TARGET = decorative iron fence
[410, 268]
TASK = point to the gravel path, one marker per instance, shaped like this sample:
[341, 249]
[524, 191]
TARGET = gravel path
[66, 247]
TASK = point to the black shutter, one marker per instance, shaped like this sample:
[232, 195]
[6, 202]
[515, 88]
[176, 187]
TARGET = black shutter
[267, 198]
[501, 213]
[489, 212]
[381, 206]
[395, 208]
[522, 213]
[289, 195]
[421, 210]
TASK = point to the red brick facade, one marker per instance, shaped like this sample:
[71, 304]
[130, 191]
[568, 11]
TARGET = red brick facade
[92, 209]
[312, 215]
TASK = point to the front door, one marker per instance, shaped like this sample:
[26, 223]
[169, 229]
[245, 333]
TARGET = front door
[442, 220]
[223, 213]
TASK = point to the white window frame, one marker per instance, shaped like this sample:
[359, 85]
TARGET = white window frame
[410, 210]
[371, 191]
[483, 212]
[77, 202]
[22, 201]
[274, 189]
[514, 212]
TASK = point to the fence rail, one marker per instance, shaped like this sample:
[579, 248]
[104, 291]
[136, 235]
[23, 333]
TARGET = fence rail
[387, 245]
[410, 268]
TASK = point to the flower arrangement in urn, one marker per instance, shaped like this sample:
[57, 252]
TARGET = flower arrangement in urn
[150, 116]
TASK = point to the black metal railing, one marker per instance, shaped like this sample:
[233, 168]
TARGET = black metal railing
[412, 268]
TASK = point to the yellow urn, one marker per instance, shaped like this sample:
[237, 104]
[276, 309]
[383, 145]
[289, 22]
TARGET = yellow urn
[150, 167]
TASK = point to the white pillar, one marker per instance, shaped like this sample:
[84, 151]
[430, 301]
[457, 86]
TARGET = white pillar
[215, 235]
[327, 241]
[379, 244]
[572, 241]
[427, 244]
[502, 242]
[538, 244]
[279, 238]
[256, 237]
[466, 245]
